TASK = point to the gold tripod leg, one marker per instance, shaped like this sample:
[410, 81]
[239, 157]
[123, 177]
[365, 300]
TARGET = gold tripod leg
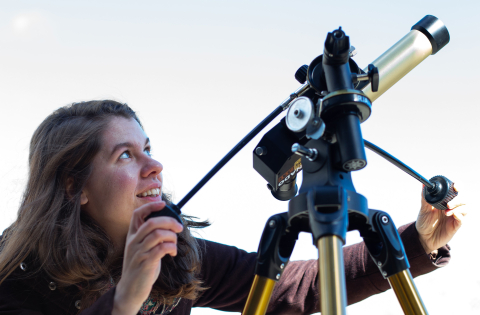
[333, 296]
[259, 296]
[407, 294]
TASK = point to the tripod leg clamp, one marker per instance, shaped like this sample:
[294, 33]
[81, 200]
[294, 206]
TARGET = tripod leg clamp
[384, 244]
[275, 248]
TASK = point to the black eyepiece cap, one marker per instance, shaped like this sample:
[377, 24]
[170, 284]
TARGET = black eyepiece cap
[435, 31]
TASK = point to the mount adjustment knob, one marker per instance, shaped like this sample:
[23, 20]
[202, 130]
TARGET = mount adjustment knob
[442, 192]
[301, 74]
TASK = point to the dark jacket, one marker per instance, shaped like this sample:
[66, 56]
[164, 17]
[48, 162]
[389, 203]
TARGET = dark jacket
[228, 273]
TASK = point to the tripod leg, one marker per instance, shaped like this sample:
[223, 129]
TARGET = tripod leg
[407, 293]
[259, 296]
[386, 249]
[331, 276]
[274, 251]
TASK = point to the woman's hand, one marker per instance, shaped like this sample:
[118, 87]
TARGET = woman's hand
[436, 227]
[147, 243]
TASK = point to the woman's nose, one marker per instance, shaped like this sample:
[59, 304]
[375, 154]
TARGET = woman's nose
[152, 168]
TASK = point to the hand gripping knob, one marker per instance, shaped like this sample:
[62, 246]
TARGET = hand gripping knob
[441, 193]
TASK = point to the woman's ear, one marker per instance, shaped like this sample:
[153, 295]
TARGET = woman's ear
[83, 198]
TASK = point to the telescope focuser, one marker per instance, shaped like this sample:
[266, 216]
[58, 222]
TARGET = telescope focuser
[441, 192]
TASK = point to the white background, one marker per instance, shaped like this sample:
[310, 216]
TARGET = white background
[202, 74]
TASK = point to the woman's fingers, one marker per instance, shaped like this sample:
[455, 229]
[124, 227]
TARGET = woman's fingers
[161, 250]
[457, 213]
[157, 237]
[156, 232]
[141, 213]
[162, 223]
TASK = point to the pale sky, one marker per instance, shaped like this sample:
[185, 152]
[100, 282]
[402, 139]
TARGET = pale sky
[202, 74]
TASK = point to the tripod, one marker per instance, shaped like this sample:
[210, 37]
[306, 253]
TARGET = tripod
[321, 135]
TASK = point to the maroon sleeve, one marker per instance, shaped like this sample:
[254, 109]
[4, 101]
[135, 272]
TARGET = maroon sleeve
[228, 273]
[363, 277]
[102, 306]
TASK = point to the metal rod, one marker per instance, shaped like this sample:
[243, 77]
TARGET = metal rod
[283, 106]
[407, 293]
[259, 296]
[333, 294]
[398, 164]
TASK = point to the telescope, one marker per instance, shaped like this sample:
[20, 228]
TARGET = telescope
[280, 167]
[321, 136]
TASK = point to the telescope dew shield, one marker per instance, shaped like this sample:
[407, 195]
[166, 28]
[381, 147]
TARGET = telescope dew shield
[426, 38]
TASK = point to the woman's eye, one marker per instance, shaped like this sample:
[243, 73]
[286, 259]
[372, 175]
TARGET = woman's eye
[125, 155]
[148, 151]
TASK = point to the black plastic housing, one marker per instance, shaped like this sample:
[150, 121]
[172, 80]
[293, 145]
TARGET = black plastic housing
[275, 248]
[384, 244]
[279, 165]
[169, 211]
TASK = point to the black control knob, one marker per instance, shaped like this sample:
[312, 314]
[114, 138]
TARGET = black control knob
[301, 74]
[441, 193]
[373, 77]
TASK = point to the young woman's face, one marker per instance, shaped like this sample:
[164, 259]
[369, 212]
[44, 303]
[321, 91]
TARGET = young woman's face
[124, 177]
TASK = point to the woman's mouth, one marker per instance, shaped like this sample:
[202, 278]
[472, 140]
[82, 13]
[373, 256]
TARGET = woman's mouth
[155, 192]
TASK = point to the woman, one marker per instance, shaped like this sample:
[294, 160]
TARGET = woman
[80, 243]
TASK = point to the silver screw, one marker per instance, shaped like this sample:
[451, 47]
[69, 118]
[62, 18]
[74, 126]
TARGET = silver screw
[298, 113]
[282, 266]
[261, 150]
[272, 223]
[379, 264]
[52, 286]
[384, 273]
[278, 277]
[384, 219]
[352, 51]
[310, 154]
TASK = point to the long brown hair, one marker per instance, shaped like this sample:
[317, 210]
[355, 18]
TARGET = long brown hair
[62, 241]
